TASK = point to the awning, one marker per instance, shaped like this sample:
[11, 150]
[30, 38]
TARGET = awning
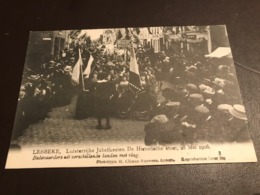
[220, 52]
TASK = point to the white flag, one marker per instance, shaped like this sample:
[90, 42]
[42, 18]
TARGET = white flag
[76, 70]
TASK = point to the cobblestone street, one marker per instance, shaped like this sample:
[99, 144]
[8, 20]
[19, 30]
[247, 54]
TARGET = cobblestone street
[61, 128]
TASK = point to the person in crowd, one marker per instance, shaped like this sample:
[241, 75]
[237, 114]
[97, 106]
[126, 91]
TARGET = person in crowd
[103, 104]
[123, 85]
[143, 81]
[158, 76]
[198, 85]
[151, 80]
[109, 78]
[101, 74]
[91, 83]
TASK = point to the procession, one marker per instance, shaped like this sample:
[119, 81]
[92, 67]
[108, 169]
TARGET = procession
[177, 84]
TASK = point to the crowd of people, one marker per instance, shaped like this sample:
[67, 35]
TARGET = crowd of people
[198, 96]
[115, 69]
[42, 89]
[185, 97]
[204, 103]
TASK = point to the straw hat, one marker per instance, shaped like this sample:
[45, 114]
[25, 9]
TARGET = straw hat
[202, 87]
[110, 64]
[202, 109]
[68, 68]
[173, 104]
[238, 111]
[196, 96]
[161, 119]
[33, 77]
[192, 68]
[209, 91]
[224, 107]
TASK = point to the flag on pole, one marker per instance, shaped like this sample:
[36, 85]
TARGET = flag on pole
[76, 71]
[88, 68]
[134, 76]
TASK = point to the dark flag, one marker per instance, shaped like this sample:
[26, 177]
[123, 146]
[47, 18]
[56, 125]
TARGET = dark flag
[134, 76]
[149, 30]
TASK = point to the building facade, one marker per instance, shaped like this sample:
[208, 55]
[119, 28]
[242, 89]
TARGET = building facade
[45, 45]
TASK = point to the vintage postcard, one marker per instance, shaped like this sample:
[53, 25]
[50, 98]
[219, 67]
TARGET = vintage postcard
[129, 97]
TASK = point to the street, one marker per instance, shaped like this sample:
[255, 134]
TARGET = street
[61, 128]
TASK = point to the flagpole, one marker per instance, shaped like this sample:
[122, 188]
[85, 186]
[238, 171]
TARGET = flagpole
[83, 84]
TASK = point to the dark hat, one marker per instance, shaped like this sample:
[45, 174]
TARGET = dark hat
[191, 87]
[142, 74]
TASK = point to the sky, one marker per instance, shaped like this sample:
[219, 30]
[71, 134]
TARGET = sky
[93, 33]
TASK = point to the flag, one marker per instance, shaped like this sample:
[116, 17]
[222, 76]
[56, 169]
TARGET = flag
[88, 68]
[149, 30]
[76, 71]
[134, 76]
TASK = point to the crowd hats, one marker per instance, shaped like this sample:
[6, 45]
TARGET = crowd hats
[166, 59]
[196, 99]
[150, 69]
[68, 68]
[170, 94]
[160, 119]
[224, 108]
[191, 87]
[238, 111]
[110, 63]
[34, 77]
[207, 91]
[173, 104]
[94, 72]
[196, 96]
[202, 109]
[191, 69]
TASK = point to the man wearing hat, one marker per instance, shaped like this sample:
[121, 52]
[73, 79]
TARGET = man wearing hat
[91, 82]
[193, 115]
[101, 74]
[160, 130]
[123, 85]
[229, 124]
[238, 123]
[103, 103]
[191, 88]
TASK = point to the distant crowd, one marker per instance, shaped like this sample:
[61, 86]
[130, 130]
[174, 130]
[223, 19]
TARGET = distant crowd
[188, 91]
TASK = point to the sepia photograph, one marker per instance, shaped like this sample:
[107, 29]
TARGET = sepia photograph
[129, 97]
